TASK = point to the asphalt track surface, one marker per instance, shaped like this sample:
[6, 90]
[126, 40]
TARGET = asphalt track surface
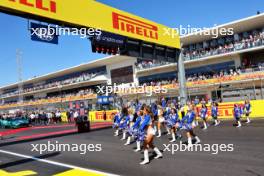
[247, 158]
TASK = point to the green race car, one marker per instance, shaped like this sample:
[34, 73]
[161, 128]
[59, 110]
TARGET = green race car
[18, 122]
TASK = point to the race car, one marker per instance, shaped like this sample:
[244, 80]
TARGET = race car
[18, 122]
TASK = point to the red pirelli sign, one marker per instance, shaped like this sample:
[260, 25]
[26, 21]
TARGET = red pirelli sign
[134, 26]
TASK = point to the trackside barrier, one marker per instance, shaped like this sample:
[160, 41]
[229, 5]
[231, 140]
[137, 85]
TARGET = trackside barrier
[98, 116]
[225, 110]
[95, 116]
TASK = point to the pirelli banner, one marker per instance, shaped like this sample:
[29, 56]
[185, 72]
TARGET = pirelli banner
[89, 13]
[225, 110]
[98, 116]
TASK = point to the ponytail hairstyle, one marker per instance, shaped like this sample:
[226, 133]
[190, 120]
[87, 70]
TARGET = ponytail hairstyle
[125, 111]
[149, 112]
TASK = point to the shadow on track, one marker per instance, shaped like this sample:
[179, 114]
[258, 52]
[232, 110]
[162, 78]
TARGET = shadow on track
[23, 161]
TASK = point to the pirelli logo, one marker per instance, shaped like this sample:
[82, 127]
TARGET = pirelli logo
[134, 26]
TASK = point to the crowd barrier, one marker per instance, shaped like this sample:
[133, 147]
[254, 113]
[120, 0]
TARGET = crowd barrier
[98, 116]
[95, 116]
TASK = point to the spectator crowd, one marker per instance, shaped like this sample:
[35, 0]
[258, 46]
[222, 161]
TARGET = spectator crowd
[206, 75]
[81, 92]
[224, 45]
[145, 64]
[78, 79]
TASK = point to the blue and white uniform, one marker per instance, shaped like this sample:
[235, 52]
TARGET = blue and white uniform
[125, 122]
[117, 120]
[146, 125]
[214, 112]
[237, 113]
[163, 103]
[133, 130]
[172, 120]
[186, 122]
[167, 113]
[138, 107]
[247, 108]
[203, 113]
[154, 109]
[137, 123]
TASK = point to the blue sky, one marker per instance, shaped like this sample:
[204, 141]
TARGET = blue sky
[41, 58]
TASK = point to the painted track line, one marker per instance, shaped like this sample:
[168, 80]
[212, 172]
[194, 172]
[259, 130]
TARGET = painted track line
[55, 163]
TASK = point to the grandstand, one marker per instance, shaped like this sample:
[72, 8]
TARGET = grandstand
[228, 68]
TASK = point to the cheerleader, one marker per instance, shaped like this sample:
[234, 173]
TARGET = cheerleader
[173, 119]
[154, 109]
[161, 120]
[166, 117]
[203, 114]
[125, 122]
[117, 119]
[196, 111]
[131, 118]
[136, 126]
[237, 114]
[137, 107]
[214, 111]
[247, 110]
[186, 124]
[163, 103]
[146, 126]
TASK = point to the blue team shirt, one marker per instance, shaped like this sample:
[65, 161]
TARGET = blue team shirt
[188, 118]
[248, 107]
[145, 123]
[163, 103]
[214, 111]
[126, 122]
[137, 123]
[138, 107]
[203, 112]
[117, 118]
[237, 112]
[174, 118]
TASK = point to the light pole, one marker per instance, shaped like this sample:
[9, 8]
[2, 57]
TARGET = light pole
[20, 76]
[182, 80]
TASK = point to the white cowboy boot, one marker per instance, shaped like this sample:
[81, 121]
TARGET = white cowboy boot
[146, 158]
[159, 154]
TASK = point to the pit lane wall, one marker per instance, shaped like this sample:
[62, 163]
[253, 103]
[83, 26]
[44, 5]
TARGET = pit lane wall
[98, 116]
[95, 116]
